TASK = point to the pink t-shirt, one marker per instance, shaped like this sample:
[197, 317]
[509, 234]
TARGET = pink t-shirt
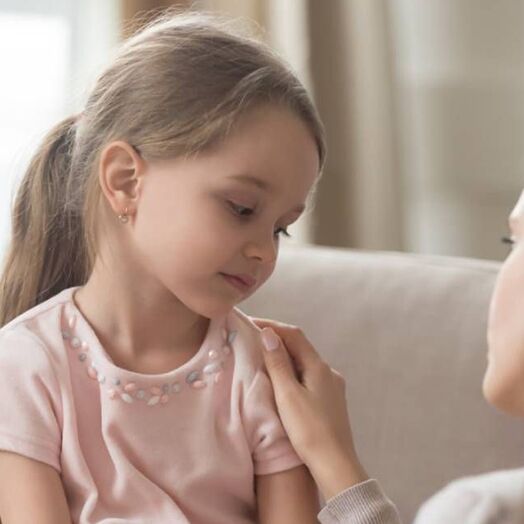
[175, 447]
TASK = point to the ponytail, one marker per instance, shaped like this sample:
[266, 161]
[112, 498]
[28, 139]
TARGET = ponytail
[47, 249]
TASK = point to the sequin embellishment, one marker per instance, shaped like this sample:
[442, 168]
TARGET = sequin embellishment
[131, 392]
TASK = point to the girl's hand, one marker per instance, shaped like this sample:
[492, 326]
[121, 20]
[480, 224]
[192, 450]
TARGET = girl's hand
[311, 402]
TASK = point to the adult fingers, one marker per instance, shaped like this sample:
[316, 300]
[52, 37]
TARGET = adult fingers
[278, 363]
[300, 349]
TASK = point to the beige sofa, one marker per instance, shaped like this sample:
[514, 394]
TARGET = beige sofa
[408, 333]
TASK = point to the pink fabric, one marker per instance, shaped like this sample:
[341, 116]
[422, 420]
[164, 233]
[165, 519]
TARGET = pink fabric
[191, 456]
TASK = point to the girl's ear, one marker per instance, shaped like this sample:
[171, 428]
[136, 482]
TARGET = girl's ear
[119, 172]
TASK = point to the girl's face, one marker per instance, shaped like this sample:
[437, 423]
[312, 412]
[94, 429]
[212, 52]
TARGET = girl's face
[224, 210]
[504, 380]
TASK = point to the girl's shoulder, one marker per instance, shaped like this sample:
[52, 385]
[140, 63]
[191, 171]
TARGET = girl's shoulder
[34, 338]
[33, 379]
[246, 343]
[42, 311]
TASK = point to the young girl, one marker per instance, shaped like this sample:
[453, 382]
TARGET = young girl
[131, 387]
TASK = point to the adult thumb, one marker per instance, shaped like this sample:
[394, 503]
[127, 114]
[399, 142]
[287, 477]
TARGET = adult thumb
[277, 360]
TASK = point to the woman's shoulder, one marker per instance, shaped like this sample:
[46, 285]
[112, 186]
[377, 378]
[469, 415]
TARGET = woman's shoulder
[492, 497]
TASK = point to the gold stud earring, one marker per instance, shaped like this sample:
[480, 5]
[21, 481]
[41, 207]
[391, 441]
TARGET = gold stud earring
[123, 217]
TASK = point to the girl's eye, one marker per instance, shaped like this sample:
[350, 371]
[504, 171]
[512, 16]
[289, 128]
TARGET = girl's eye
[507, 240]
[241, 210]
[246, 212]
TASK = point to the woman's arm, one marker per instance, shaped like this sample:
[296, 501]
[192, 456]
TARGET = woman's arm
[30, 491]
[288, 497]
[311, 402]
[363, 503]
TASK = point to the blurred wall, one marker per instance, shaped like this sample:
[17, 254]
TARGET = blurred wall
[459, 78]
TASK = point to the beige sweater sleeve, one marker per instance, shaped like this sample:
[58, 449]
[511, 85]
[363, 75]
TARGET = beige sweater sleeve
[364, 503]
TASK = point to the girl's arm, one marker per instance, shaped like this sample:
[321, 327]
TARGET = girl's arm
[30, 491]
[288, 497]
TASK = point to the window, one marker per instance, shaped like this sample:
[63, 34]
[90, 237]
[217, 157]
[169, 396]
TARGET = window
[50, 54]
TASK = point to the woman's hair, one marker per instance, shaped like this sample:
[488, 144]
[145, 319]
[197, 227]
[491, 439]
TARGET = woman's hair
[174, 88]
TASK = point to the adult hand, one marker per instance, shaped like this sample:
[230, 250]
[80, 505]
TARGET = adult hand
[311, 401]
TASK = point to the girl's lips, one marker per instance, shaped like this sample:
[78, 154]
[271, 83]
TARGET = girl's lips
[237, 282]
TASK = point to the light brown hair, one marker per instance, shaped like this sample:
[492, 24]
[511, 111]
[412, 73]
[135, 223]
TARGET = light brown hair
[175, 87]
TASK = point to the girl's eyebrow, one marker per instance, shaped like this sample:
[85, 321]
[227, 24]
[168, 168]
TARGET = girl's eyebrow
[261, 184]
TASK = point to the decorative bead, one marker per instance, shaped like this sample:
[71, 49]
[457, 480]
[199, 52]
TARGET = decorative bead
[111, 393]
[128, 398]
[231, 337]
[194, 375]
[153, 400]
[212, 368]
[160, 393]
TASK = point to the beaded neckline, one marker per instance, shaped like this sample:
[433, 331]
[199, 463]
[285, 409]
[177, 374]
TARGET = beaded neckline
[133, 388]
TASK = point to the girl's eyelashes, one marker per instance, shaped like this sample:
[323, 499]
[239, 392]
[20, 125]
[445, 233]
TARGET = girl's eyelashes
[245, 212]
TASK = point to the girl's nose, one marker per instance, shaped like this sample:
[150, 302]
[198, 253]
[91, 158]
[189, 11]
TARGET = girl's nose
[265, 248]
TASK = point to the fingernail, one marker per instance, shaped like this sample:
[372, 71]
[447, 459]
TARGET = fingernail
[269, 339]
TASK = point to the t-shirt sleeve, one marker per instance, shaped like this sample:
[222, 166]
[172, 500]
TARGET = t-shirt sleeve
[270, 446]
[29, 399]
